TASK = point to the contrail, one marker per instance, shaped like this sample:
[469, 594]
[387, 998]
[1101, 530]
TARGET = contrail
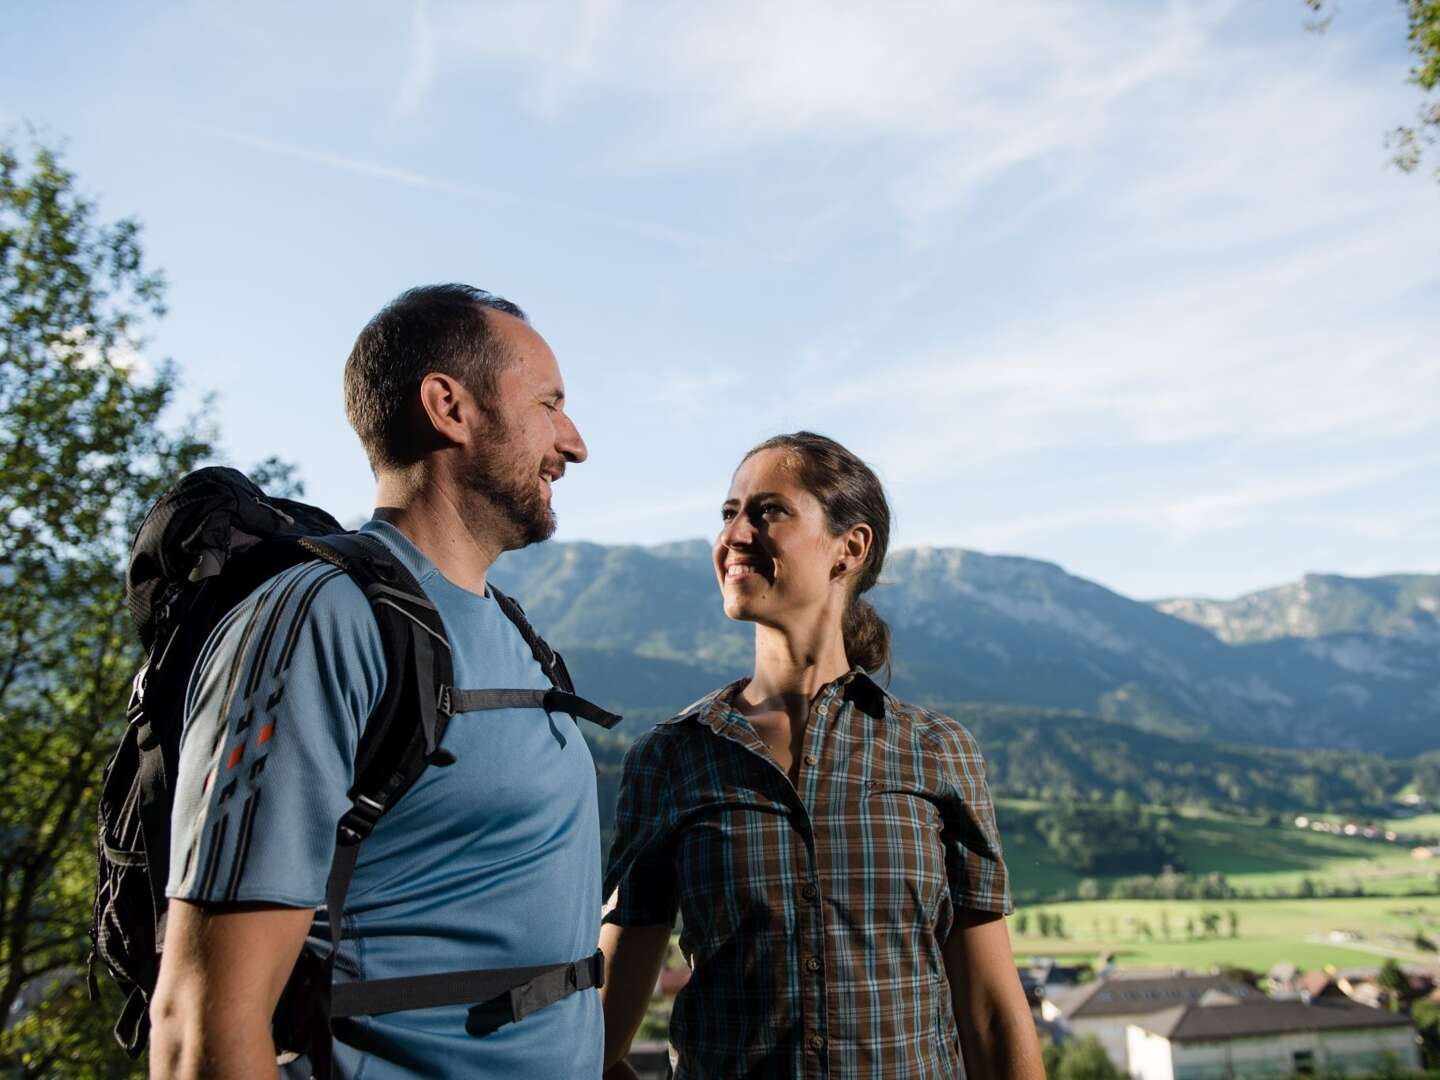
[409, 178]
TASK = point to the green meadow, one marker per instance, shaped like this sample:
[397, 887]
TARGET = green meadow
[1302, 932]
[1252, 854]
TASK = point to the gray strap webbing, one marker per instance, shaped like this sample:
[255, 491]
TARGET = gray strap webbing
[552, 701]
[528, 988]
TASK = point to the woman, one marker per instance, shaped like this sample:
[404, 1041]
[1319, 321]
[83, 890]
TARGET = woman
[831, 850]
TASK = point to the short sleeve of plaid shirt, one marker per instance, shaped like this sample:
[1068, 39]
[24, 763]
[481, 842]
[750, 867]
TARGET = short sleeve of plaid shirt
[640, 875]
[974, 865]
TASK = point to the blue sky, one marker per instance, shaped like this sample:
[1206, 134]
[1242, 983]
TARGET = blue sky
[1125, 286]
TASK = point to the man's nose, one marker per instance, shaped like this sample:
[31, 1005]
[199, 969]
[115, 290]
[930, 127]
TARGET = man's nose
[571, 446]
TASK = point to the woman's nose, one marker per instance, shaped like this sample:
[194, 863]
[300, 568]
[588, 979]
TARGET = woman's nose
[738, 530]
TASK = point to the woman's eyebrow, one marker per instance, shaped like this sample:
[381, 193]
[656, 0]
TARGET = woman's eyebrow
[759, 496]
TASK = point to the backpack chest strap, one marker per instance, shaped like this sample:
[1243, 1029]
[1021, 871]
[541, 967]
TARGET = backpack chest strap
[522, 990]
[453, 702]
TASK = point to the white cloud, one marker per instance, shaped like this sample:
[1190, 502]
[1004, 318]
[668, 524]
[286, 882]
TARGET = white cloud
[420, 72]
[958, 93]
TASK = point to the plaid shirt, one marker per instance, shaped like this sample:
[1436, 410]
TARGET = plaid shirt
[813, 913]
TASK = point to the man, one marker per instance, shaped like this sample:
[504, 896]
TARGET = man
[492, 862]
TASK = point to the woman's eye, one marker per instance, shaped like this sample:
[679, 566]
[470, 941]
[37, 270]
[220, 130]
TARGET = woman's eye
[727, 514]
[772, 508]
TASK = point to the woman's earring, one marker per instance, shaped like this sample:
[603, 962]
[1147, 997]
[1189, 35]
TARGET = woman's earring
[840, 568]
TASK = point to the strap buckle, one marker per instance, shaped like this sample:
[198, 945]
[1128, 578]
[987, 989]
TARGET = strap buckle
[360, 820]
[597, 969]
[138, 685]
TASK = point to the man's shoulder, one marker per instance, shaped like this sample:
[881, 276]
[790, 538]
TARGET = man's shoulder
[315, 591]
[312, 608]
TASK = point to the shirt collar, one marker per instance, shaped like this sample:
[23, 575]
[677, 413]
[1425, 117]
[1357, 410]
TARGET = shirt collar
[867, 695]
[710, 709]
[714, 708]
[408, 555]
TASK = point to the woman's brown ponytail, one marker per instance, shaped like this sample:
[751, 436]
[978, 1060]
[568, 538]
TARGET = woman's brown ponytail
[851, 494]
[867, 636]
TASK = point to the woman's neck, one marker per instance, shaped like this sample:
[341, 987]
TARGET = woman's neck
[791, 666]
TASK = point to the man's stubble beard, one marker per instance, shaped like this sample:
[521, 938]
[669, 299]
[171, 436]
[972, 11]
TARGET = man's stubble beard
[495, 478]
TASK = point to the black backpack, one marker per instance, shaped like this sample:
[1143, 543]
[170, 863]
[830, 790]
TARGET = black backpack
[205, 546]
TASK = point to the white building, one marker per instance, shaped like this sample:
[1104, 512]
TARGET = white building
[1106, 1007]
[1261, 1038]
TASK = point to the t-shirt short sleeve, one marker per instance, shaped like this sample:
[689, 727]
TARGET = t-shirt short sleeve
[974, 863]
[276, 706]
[640, 874]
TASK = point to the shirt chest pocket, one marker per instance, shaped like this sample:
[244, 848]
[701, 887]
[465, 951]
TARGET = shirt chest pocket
[888, 849]
[733, 855]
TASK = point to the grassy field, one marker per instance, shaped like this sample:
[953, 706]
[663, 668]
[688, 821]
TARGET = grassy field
[1250, 853]
[1425, 825]
[1268, 932]
[1422, 824]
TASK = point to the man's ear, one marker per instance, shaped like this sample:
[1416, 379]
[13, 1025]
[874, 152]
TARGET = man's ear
[450, 408]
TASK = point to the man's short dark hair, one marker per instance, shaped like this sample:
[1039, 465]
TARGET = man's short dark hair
[440, 328]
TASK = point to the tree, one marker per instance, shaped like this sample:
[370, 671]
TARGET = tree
[1080, 1059]
[1426, 1014]
[1392, 980]
[1408, 143]
[82, 454]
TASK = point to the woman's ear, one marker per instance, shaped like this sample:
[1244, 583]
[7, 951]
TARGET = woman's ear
[857, 544]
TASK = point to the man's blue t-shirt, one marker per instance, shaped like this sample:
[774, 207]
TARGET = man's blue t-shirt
[493, 862]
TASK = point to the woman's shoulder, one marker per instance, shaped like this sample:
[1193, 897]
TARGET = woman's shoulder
[717, 700]
[941, 729]
[651, 746]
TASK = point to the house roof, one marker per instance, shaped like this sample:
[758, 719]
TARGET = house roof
[1196, 1023]
[1316, 983]
[1129, 995]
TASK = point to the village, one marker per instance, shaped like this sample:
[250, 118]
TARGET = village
[1225, 1024]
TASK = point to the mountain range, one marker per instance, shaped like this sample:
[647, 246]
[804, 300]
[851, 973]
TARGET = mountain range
[1333, 662]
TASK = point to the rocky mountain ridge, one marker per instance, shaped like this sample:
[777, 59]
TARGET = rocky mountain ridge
[1343, 663]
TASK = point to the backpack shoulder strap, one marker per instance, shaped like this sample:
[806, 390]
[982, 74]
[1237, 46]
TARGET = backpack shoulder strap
[550, 661]
[389, 758]
[418, 665]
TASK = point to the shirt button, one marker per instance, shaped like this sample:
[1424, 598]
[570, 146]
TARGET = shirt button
[810, 759]
[812, 963]
[809, 891]
[817, 1042]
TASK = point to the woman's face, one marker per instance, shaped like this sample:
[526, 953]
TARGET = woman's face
[774, 558]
